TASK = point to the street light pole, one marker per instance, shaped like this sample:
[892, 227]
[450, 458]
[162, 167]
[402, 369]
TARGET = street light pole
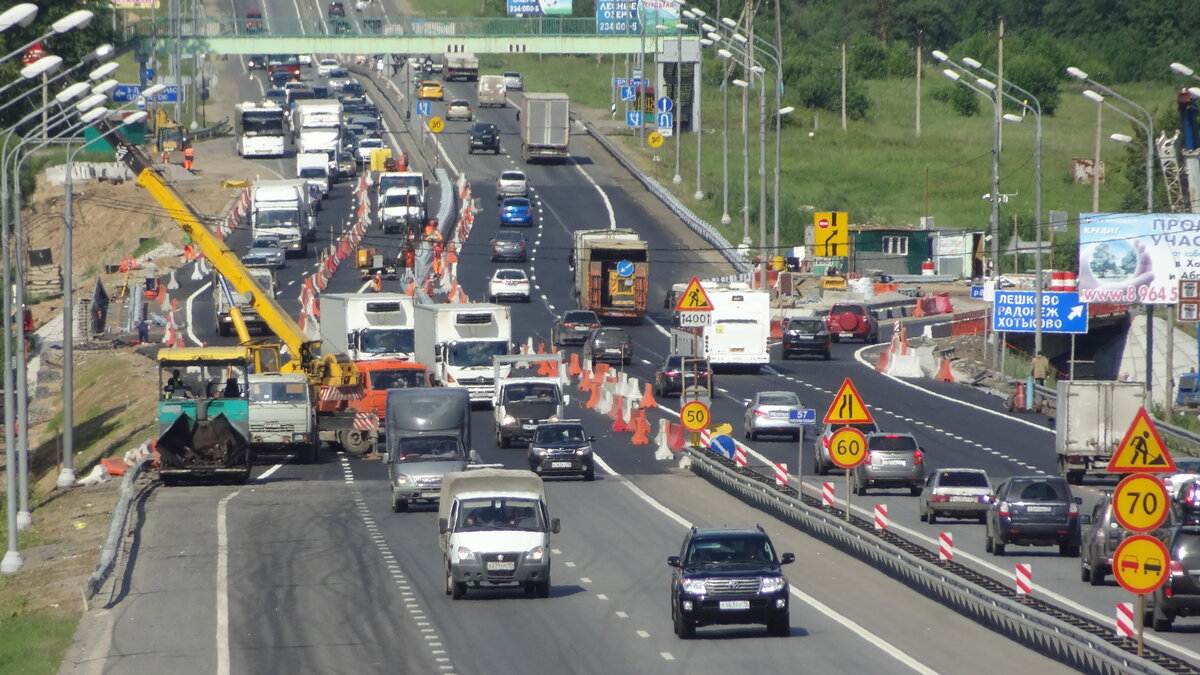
[678, 119]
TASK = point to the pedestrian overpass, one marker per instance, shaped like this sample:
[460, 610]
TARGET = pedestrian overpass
[479, 35]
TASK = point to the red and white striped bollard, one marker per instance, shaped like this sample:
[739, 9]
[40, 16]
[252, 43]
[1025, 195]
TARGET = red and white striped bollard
[881, 517]
[1024, 578]
[946, 546]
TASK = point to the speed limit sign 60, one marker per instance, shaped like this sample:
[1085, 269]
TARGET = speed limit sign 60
[847, 447]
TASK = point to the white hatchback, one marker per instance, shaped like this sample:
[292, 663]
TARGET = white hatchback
[326, 66]
[512, 183]
[508, 282]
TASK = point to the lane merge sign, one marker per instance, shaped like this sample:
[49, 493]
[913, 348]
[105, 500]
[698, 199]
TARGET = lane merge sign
[848, 407]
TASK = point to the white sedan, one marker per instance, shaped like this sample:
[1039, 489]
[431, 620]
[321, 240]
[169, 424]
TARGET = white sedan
[326, 66]
[508, 282]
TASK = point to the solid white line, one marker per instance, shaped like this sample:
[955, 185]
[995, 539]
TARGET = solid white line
[222, 631]
[188, 311]
[883, 645]
[612, 216]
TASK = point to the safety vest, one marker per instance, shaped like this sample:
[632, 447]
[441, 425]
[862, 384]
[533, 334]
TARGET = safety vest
[188, 152]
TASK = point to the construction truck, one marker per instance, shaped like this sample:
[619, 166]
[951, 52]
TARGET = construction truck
[376, 377]
[612, 273]
[528, 391]
[367, 326]
[329, 376]
[1090, 421]
[369, 261]
[168, 134]
[461, 66]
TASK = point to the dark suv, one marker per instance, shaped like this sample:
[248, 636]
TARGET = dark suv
[806, 335]
[573, 327]
[483, 136]
[608, 344]
[1102, 534]
[852, 320]
[562, 448]
[1180, 595]
[674, 372]
[729, 576]
[1034, 511]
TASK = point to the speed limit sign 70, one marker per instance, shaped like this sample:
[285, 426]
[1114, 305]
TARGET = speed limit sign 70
[847, 447]
[1140, 503]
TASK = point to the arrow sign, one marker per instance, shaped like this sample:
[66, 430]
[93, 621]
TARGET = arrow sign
[664, 105]
[633, 118]
[723, 445]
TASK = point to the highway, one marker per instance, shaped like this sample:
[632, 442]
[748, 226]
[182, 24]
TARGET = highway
[306, 569]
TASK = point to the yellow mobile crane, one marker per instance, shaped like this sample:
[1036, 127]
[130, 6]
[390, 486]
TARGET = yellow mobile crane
[329, 375]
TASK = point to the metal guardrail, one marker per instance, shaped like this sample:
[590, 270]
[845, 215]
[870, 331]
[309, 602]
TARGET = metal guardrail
[116, 530]
[694, 223]
[1059, 639]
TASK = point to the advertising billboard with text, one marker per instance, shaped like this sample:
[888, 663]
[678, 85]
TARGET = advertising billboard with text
[1137, 257]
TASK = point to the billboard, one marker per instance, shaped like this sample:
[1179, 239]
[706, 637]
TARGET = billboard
[1137, 257]
[539, 7]
[617, 16]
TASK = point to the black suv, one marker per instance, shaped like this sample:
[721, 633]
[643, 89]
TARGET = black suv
[608, 344]
[1180, 595]
[675, 372]
[484, 136]
[729, 576]
[1034, 511]
[573, 327]
[562, 448]
[807, 335]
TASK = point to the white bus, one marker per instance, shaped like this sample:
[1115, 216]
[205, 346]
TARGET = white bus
[738, 333]
[260, 129]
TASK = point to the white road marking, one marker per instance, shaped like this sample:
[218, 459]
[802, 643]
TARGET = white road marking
[188, 312]
[222, 629]
[643, 634]
[666, 656]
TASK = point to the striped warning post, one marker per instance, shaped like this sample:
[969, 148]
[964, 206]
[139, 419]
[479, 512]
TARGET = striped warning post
[739, 456]
[946, 546]
[781, 474]
[827, 494]
[881, 517]
[1024, 577]
[1124, 625]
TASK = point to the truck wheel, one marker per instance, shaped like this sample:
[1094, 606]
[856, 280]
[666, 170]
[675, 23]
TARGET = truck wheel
[308, 452]
[355, 442]
[399, 505]
[543, 588]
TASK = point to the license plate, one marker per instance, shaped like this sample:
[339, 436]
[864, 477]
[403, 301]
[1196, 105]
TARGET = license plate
[560, 465]
[778, 413]
[501, 566]
[735, 604]
[846, 334]
[528, 427]
[1039, 509]
[582, 329]
[612, 351]
[893, 462]
[963, 498]
[428, 494]
[738, 350]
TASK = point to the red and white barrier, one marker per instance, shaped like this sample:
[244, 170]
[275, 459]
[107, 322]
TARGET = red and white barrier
[1124, 624]
[881, 517]
[1024, 578]
[781, 474]
[827, 494]
[739, 456]
[946, 546]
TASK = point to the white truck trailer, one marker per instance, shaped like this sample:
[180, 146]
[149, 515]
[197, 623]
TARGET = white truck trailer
[281, 207]
[367, 326]
[456, 344]
[1091, 419]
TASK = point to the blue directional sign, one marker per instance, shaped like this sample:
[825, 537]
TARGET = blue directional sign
[424, 108]
[620, 82]
[624, 269]
[977, 292]
[666, 120]
[628, 93]
[1016, 312]
[723, 445]
[637, 82]
[664, 105]
[633, 118]
[127, 93]
[803, 416]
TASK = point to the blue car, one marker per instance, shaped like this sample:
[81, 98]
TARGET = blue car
[516, 211]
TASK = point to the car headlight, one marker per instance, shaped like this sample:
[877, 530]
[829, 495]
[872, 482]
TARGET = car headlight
[400, 480]
[540, 452]
[692, 586]
[772, 585]
[553, 418]
[508, 420]
[536, 553]
[580, 452]
[464, 554]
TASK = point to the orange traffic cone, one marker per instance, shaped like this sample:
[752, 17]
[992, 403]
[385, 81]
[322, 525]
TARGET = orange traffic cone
[585, 382]
[648, 400]
[541, 348]
[574, 370]
[544, 368]
[618, 419]
[641, 427]
[943, 373]
[882, 364]
[595, 397]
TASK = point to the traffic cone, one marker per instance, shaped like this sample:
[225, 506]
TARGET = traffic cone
[594, 399]
[619, 420]
[943, 373]
[640, 428]
[585, 381]
[574, 370]
[648, 400]
[882, 364]
[544, 368]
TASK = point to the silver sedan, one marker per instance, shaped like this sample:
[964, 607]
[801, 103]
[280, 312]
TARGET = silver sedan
[956, 493]
[770, 412]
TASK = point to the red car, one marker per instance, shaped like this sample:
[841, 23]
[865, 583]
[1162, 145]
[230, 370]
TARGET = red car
[254, 21]
[849, 320]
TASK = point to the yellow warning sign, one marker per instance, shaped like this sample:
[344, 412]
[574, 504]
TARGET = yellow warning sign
[1141, 563]
[1141, 503]
[655, 139]
[831, 234]
[694, 298]
[848, 407]
[1142, 449]
[848, 447]
[694, 416]
[436, 124]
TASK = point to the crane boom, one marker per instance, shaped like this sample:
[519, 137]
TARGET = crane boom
[302, 351]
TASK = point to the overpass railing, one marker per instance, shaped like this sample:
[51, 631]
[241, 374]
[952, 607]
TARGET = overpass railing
[163, 28]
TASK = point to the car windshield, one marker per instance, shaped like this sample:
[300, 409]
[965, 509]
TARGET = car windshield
[277, 218]
[531, 393]
[1188, 465]
[265, 243]
[612, 335]
[1186, 547]
[405, 378]
[580, 317]
[427, 447]
[865, 427]
[386, 340]
[313, 172]
[510, 274]
[510, 74]
[370, 143]
[778, 398]
[465, 354]
[459, 104]
[559, 433]
[400, 199]
[730, 550]
[279, 392]
[962, 479]
[807, 326]
[1037, 491]
[512, 175]
[891, 443]
[516, 203]
[499, 513]
[338, 73]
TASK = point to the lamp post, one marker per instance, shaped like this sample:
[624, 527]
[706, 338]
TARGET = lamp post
[697, 129]
[18, 15]
[99, 54]
[994, 197]
[77, 19]
[679, 28]
[725, 219]
[1099, 98]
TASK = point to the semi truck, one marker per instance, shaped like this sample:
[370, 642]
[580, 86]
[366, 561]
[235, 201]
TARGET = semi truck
[317, 123]
[1090, 421]
[366, 326]
[281, 207]
[524, 399]
[492, 92]
[456, 343]
[612, 273]
[428, 436]
[545, 127]
[226, 297]
[461, 66]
